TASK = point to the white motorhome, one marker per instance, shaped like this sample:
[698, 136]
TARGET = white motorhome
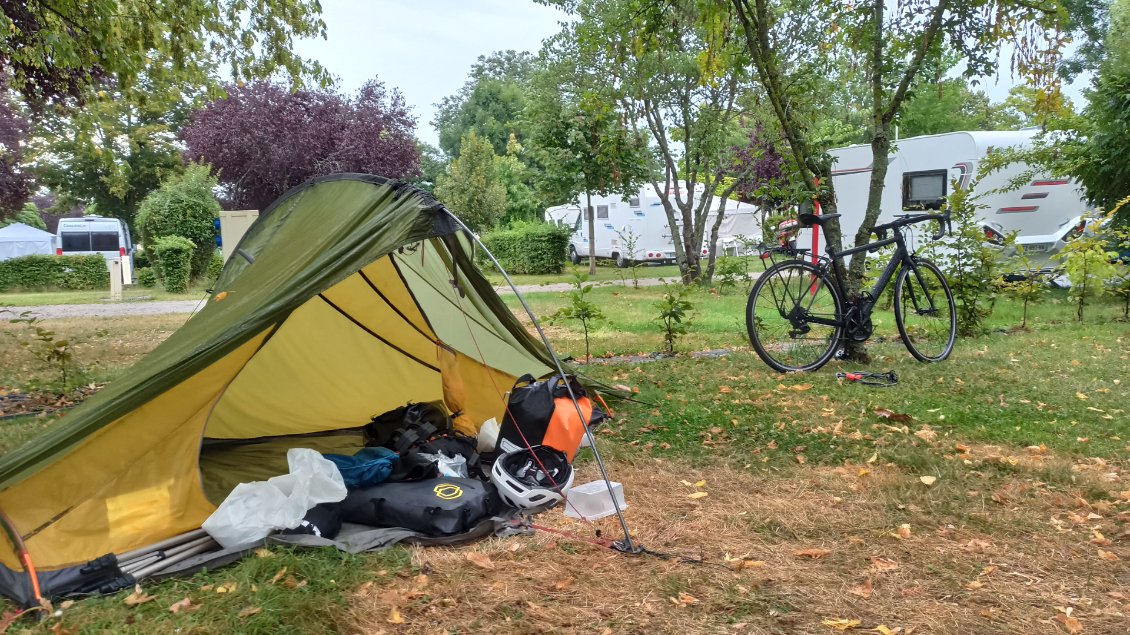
[922, 170]
[642, 220]
[107, 237]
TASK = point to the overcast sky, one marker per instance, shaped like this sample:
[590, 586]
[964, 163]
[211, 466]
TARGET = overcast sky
[424, 48]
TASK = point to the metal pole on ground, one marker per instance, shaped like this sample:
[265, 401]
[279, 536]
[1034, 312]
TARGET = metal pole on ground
[157, 546]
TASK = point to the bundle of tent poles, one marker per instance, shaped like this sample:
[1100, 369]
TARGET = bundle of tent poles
[160, 556]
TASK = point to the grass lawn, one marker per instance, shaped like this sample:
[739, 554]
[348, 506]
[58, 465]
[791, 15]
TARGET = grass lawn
[983, 494]
[132, 292]
[605, 271]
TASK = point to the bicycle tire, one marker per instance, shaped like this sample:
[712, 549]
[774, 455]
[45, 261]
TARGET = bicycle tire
[800, 289]
[929, 326]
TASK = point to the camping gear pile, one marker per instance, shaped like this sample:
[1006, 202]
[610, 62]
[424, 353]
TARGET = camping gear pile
[350, 295]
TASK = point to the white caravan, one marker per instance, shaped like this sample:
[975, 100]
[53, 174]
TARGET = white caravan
[922, 170]
[642, 219]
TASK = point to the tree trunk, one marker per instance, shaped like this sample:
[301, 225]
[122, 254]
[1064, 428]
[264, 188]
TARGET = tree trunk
[592, 233]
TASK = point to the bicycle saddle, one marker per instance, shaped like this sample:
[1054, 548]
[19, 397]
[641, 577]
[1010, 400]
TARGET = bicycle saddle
[808, 220]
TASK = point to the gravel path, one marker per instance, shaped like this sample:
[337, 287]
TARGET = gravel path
[163, 307]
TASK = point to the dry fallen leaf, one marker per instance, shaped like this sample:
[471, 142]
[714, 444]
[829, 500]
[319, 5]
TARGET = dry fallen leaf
[263, 552]
[563, 584]
[185, 605]
[227, 587]
[394, 616]
[278, 576]
[1109, 556]
[928, 480]
[292, 582]
[249, 611]
[842, 624]
[138, 596]
[687, 598]
[882, 565]
[700, 484]
[801, 387]
[864, 589]
[698, 495]
[812, 553]
[1072, 625]
[725, 390]
[903, 532]
[1099, 539]
[740, 564]
[974, 585]
[480, 560]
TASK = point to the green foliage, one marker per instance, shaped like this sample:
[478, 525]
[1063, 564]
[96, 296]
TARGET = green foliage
[628, 244]
[522, 203]
[730, 272]
[471, 188]
[1024, 285]
[55, 50]
[579, 307]
[490, 103]
[174, 257]
[28, 215]
[1088, 266]
[1118, 241]
[35, 273]
[674, 313]
[950, 105]
[971, 266]
[146, 277]
[141, 258]
[183, 206]
[111, 153]
[55, 352]
[215, 266]
[529, 248]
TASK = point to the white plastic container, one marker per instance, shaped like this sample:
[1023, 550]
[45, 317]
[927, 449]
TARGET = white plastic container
[591, 500]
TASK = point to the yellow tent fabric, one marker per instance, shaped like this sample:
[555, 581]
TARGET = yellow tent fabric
[349, 297]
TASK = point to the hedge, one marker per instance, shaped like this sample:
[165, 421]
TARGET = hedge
[174, 257]
[146, 277]
[34, 273]
[530, 248]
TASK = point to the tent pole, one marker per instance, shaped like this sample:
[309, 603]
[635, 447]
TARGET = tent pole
[628, 546]
[157, 546]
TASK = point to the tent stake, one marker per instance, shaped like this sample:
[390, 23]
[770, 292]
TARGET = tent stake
[628, 546]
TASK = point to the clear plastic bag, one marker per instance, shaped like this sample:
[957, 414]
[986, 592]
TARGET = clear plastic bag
[449, 466]
[253, 510]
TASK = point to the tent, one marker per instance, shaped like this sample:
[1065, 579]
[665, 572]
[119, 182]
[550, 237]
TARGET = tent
[350, 296]
[18, 240]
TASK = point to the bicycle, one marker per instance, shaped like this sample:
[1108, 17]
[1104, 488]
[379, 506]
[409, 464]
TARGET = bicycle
[798, 316]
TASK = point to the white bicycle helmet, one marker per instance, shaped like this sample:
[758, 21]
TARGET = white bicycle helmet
[523, 483]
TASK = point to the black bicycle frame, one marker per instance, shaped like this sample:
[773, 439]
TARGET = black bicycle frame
[866, 302]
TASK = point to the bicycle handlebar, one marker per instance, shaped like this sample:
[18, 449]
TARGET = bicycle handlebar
[880, 230]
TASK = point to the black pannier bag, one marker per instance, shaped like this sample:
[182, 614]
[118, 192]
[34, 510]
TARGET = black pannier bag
[323, 520]
[434, 507]
[401, 429]
[541, 413]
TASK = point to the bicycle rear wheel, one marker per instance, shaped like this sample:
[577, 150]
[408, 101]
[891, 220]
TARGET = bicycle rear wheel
[925, 312]
[793, 317]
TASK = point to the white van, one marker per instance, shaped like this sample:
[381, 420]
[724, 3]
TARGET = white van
[107, 237]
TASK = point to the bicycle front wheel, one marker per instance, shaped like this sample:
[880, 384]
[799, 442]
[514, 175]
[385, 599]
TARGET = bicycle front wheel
[793, 317]
[924, 311]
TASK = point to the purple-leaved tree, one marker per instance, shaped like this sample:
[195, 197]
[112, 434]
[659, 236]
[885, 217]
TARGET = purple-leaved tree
[264, 138]
[14, 180]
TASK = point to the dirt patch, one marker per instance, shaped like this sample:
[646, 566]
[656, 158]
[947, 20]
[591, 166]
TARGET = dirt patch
[816, 550]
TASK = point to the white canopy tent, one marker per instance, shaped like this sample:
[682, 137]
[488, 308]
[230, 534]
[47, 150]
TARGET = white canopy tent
[18, 240]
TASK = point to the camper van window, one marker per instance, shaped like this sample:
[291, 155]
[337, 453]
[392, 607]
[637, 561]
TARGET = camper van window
[634, 201]
[602, 211]
[76, 241]
[104, 241]
[924, 190]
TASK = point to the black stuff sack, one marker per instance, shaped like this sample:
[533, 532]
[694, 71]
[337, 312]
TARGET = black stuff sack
[322, 520]
[434, 507]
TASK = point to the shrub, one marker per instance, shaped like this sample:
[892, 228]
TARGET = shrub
[146, 277]
[530, 248]
[215, 266]
[972, 267]
[674, 313]
[579, 308]
[182, 206]
[141, 259]
[174, 255]
[33, 273]
[1088, 265]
